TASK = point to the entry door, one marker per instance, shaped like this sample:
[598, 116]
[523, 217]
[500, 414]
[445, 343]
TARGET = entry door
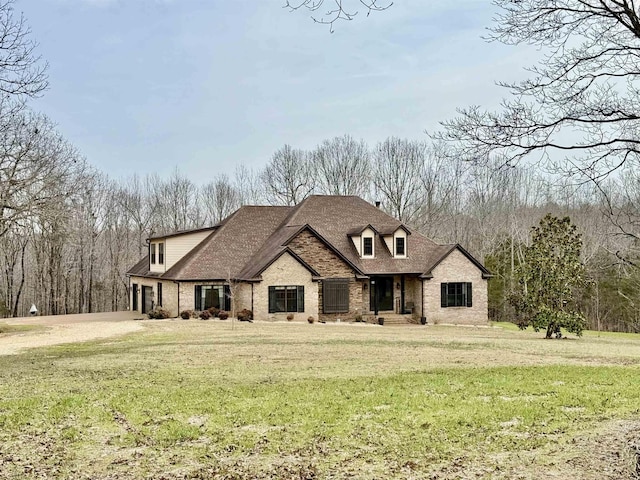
[134, 297]
[147, 299]
[383, 289]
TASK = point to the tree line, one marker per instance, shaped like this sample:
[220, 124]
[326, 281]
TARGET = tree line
[69, 255]
[68, 232]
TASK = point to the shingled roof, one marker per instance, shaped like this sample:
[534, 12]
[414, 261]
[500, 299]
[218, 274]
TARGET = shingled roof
[251, 238]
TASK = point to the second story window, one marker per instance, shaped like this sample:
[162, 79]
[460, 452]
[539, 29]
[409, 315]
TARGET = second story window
[161, 253]
[400, 247]
[367, 247]
[152, 253]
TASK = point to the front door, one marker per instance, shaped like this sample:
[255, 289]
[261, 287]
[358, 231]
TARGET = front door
[147, 299]
[381, 293]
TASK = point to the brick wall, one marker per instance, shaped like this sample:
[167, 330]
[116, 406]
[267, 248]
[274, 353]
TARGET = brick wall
[456, 268]
[285, 271]
[169, 294]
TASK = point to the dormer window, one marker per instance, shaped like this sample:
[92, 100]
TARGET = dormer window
[400, 252]
[367, 246]
[161, 253]
[152, 253]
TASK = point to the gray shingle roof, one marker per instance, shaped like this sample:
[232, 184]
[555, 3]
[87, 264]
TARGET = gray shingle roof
[249, 239]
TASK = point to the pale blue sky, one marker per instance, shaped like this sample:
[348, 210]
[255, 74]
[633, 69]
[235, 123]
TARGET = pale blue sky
[146, 85]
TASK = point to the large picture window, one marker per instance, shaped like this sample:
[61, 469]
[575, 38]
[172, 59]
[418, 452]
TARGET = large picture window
[208, 296]
[286, 299]
[456, 294]
[335, 295]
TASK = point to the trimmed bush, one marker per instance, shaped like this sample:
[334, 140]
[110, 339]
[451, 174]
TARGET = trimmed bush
[214, 311]
[245, 315]
[222, 315]
[187, 314]
[159, 314]
[205, 315]
[290, 317]
[311, 319]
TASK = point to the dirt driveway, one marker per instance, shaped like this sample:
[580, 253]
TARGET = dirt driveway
[68, 329]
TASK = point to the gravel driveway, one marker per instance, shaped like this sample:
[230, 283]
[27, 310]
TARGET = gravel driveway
[69, 329]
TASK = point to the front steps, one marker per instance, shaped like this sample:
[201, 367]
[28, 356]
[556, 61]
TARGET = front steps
[395, 319]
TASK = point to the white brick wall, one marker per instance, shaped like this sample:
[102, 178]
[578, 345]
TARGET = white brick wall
[456, 268]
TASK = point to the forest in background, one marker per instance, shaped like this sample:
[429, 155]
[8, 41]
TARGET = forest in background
[68, 232]
[70, 254]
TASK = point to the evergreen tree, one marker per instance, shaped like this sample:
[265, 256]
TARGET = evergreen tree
[549, 278]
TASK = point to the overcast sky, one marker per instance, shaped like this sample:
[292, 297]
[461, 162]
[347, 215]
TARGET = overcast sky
[147, 85]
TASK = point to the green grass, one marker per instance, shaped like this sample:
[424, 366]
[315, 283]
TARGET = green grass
[200, 399]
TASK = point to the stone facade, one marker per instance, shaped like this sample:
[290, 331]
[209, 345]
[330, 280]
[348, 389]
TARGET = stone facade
[456, 268]
[329, 265]
[285, 271]
[320, 257]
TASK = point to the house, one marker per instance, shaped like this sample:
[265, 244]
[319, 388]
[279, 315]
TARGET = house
[330, 257]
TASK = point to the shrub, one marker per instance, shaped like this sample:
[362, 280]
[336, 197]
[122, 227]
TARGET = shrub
[205, 315]
[187, 314]
[222, 315]
[245, 315]
[311, 319]
[214, 311]
[159, 314]
[290, 317]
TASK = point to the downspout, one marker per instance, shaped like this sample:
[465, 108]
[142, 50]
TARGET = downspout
[129, 307]
[252, 284]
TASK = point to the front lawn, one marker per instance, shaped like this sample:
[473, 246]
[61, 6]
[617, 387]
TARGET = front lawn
[220, 400]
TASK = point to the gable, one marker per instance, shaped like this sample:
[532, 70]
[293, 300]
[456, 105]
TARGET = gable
[457, 267]
[319, 256]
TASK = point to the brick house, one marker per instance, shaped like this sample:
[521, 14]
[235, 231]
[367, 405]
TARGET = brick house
[330, 257]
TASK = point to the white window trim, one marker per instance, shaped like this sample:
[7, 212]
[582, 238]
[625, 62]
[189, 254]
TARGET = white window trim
[373, 247]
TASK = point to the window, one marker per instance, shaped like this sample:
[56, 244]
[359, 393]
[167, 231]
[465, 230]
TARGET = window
[286, 299]
[455, 294]
[335, 295]
[152, 250]
[400, 246]
[367, 247]
[159, 294]
[208, 296]
[161, 253]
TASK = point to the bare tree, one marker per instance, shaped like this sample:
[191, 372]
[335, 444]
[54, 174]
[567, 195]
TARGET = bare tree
[22, 73]
[580, 109]
[248, 185]
[288, 178]
[35, 162]
[219, 198]
[342, 167]
[398, 165]
[338, 9]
